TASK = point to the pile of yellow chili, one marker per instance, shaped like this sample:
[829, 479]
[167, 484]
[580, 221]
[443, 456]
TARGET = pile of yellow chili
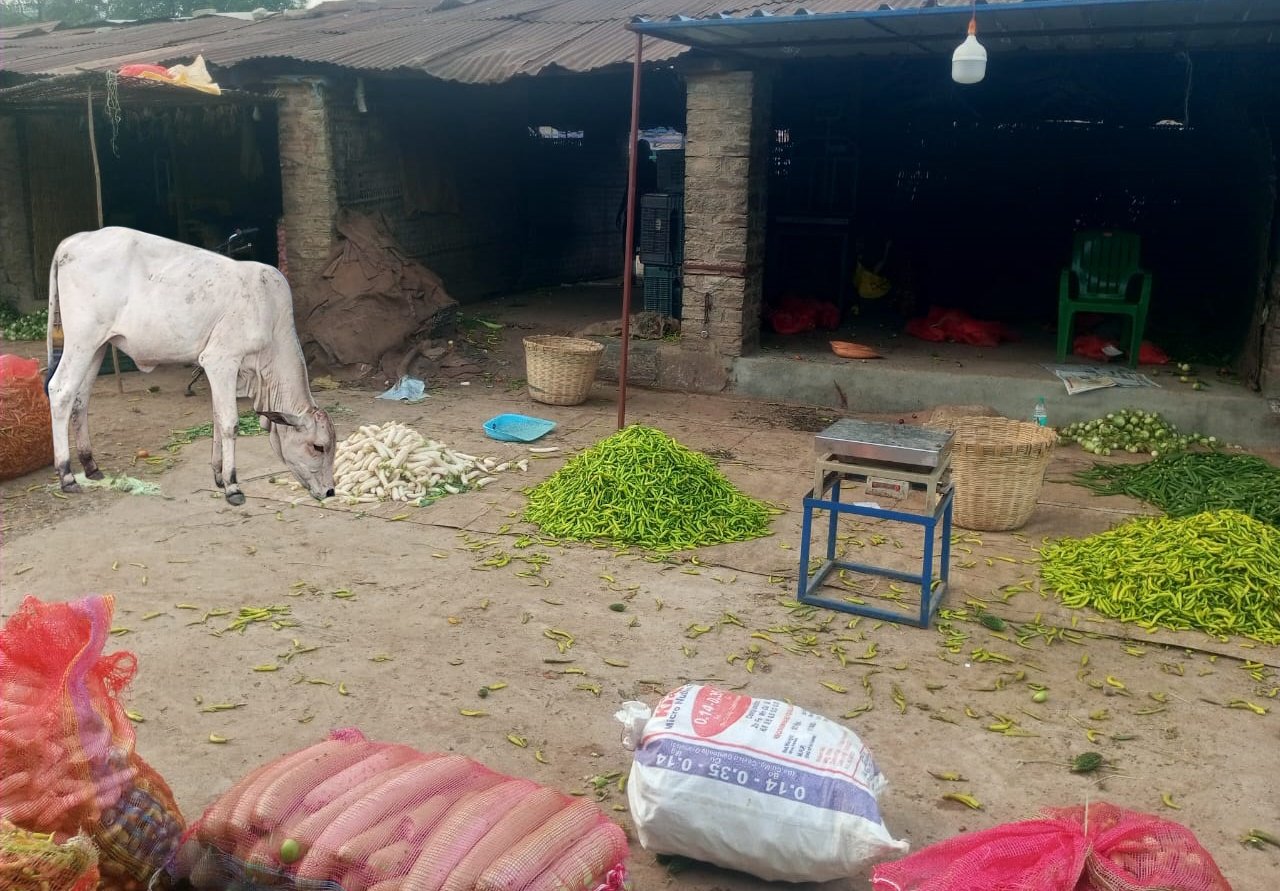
[1216, 571]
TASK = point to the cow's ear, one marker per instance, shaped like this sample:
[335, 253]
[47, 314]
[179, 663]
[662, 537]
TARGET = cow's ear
[276, 417]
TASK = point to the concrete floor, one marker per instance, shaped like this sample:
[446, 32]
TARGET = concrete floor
[915, 374]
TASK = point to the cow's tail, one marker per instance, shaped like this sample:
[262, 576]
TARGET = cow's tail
[55, 325]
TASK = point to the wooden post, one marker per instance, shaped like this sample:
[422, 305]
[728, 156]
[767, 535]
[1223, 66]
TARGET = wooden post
[97, 193]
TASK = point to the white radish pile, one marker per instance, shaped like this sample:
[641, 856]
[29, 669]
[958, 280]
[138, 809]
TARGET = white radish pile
[397, 463]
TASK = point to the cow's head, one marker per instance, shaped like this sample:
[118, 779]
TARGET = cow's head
[306, 443]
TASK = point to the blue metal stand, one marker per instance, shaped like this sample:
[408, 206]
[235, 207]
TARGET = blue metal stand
[930, 594]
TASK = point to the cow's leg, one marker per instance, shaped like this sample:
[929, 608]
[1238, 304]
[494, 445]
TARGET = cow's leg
[222, 386]
[66, 387]
[217, 457]
[80, 417]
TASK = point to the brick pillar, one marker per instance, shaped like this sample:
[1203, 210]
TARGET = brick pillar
[306, 176]
[17, 274]
[1269, 378]
[726, 170]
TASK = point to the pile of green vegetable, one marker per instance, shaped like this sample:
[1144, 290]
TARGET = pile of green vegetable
[1217, 571]
[640, 487]
[1192, 482]
[246, 425]
[15, 326]
[1132, 431]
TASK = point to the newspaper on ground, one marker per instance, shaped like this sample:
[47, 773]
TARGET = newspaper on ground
[1083, 378]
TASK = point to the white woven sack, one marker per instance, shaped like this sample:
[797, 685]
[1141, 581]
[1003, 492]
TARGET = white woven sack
[755, 785]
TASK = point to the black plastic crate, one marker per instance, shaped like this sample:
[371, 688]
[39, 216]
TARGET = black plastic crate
[662, 290]
[670, 163]
[661, 228]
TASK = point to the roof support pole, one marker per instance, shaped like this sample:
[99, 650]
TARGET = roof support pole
[628, 269]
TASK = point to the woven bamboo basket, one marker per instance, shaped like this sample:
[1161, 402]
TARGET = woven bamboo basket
[998, 468]
[944, 417]
[560, 370]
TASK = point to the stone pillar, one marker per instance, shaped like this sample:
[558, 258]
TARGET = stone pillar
[307, 182]
[17, 273]
[726, 182]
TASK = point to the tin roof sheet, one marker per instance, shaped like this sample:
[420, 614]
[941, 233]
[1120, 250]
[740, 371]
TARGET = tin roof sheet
[482, 41]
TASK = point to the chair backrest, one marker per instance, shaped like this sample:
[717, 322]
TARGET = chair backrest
[1104, 261]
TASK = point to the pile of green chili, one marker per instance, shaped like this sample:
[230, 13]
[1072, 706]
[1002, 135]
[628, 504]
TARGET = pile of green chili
[1217, 571]
[1193, 482]
[640, 487]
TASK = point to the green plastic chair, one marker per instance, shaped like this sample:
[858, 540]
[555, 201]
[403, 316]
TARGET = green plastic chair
[1104, 277]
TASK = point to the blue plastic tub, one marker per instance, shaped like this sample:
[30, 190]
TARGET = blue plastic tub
[517, 428]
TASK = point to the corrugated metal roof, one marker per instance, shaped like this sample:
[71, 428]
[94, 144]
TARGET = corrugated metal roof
[485, 41]
[1041, 26]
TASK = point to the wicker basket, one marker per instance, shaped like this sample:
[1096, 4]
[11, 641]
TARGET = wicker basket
[998, 467]
[944, 417]
[560, 370]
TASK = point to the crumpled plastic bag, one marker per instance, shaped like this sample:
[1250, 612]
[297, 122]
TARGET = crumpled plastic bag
[407, 389]
[196, 75]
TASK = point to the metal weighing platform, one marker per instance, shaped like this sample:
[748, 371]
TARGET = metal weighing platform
[861, 450]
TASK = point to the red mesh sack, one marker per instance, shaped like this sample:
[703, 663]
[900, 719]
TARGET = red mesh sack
[348, 814]
[26, 433]
[1100, 847]
[958, 326]
[977, 333]
[67, 759]
[35, 862]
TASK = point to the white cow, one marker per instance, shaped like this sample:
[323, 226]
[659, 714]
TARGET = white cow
[164, 302]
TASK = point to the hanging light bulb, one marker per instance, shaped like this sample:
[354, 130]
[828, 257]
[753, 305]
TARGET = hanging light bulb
[969, 61]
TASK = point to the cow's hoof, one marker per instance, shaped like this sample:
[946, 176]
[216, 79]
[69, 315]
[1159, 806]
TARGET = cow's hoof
[95, 474]
[235, 499]
[72, 488]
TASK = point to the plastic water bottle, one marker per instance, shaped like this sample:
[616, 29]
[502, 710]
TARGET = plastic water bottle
[1041, 414]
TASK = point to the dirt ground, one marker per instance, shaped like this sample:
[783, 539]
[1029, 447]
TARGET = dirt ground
[430, 624]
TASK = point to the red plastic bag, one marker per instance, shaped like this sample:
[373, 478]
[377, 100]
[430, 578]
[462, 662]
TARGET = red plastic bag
[67, 759]
[349, 814]
[795, 315]
[784, 322]
[1091, 346]
[137, 70]
[922, 329]
[1150, 354]
[1110, 849]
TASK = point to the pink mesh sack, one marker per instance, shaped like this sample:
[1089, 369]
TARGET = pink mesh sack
[67, 758]
[1098, 848]
[348, 814]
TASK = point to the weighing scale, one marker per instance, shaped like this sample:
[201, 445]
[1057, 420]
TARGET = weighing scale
[892, 460]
